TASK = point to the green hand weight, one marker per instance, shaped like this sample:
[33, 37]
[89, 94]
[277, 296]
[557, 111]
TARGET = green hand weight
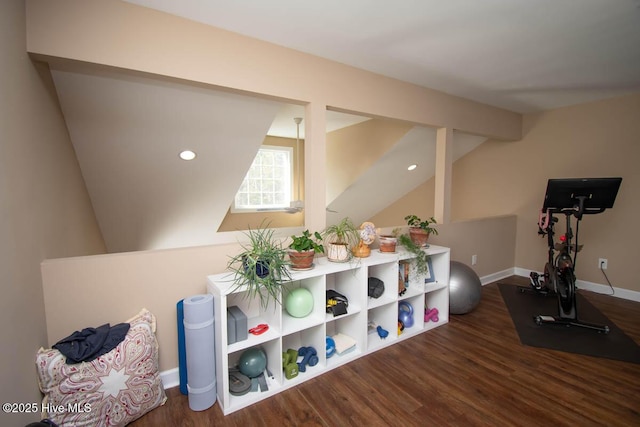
[289, 363]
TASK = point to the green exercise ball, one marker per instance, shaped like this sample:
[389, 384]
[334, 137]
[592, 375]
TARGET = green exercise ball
[299, 302]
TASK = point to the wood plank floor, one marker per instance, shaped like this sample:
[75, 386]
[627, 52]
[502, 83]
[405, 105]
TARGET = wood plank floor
[471, 372]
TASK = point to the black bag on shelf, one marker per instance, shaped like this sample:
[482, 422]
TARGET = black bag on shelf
[336, 303]
[376, 287]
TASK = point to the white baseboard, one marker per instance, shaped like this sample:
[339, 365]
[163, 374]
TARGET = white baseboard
[170, 378]
[494, 277]
[523, 272]
[593, 287]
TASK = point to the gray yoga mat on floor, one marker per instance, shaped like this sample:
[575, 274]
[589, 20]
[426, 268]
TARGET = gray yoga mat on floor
[524, 306]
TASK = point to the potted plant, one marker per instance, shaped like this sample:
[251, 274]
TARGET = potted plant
[421, 257]
[420, 230]
[261, 268]
[303, 249]
[340, 239]
[388, 242]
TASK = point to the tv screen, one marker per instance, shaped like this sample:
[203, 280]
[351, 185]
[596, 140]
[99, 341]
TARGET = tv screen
[599, 193]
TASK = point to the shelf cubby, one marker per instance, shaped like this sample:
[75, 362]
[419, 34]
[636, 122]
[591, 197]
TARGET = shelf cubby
[438, 299]
[352, 327]
[256, 315]
[310, 337]
[385, 316]
[274, 382]
[417, 303]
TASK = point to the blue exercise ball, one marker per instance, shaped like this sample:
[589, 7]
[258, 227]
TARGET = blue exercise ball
[465, 288]
[253, 362]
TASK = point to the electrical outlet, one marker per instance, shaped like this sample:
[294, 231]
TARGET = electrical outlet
[602, 263]
[474, 259]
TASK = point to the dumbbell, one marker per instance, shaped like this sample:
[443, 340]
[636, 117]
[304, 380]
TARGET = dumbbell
[330, 346]
[309, 357]
[382, 333]
[289, 359]
[431, 315]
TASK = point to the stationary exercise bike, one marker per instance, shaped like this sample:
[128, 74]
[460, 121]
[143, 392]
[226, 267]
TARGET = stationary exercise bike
[573, 198]
[546, 283]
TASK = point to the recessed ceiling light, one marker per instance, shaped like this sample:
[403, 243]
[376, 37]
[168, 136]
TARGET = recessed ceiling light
[187, 155]
[412, 167]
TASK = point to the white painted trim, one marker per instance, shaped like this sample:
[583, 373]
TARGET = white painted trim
[494, 277]
[594, 287]
[606, 290]
[170, 378]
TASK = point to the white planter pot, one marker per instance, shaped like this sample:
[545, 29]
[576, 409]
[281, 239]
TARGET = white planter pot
[338, 252]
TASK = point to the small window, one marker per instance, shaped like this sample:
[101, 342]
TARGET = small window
[267, 185]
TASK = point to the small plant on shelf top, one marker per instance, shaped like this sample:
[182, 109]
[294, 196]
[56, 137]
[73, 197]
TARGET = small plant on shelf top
[307, 242]
[341, 238]
[415, 221]
[303, 248]
[420, 230]
[261, 267]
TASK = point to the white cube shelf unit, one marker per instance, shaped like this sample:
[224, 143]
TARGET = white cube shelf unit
[363, 314]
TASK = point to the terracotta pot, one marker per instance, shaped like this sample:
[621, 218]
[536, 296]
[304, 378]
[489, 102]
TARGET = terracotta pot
[388, 243]
[301, 260]
[418, 236]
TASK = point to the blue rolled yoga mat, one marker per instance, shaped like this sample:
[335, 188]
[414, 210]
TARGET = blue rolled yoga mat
[182, 354]
[200, 350]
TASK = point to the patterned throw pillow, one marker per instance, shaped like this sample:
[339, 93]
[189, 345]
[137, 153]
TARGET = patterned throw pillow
[112, 390]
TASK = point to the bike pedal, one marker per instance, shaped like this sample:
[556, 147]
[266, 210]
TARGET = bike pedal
[535, 280]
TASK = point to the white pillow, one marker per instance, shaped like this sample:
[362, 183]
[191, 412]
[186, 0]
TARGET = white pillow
[111, 390]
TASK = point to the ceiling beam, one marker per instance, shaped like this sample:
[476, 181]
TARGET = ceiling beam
[444, 166]
[139, 41]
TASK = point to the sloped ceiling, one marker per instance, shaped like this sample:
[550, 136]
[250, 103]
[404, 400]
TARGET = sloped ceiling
[128, 132]
[388, 179]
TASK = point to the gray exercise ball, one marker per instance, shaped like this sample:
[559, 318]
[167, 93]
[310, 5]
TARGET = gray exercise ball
[465, 288]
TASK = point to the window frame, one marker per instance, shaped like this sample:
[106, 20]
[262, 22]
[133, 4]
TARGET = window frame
[290, 150]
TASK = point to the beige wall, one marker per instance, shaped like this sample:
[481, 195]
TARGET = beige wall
[597, 139]
[44, 209]
[492, 240]
[112, 288]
